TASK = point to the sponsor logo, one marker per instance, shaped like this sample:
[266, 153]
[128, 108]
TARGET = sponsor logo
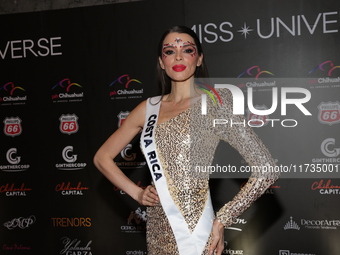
[288, 252]
[256, 79]
[66, 91]
[12, 156]
[68, 124]
[137, 216]
[75, 247]
[10, 190]
[326, 187]
[270, 190]
[127, 153]
[12, 95]
[71, 222]
[15, 247]
[237, 221]
[21, 222]
[70, 159]
[135, 252]
[230, 251]
[331, 151]
[41, 47]
[266, 28]
[258, 120]
[328, 74]
[329, 113]
[122, 117]
[67, 154]
[320, 224]
[125, 88]
[327, 68]
[291, 225]
[12, 126]
[128, 158]
[328, 148]
[256, 72]
[14, 159]
[135, 222]
[66, 189]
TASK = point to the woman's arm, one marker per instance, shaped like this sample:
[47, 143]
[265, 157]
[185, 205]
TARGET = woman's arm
[255, 153]
[249, 145]
[243, 138]
[103, 159]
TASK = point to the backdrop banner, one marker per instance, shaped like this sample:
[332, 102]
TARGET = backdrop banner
[69, 78]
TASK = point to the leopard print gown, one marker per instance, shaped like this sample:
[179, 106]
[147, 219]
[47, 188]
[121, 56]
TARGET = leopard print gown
[190, 140]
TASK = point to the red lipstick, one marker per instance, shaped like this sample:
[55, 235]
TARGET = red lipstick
[179, 68]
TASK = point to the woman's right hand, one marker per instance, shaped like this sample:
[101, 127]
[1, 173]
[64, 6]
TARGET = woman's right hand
[148, 196]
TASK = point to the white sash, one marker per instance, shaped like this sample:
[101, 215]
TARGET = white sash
[188, 243]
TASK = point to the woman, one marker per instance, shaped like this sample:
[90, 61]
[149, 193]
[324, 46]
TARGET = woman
[175, 138]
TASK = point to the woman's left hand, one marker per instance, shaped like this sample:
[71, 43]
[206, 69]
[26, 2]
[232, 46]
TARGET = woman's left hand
[217, 243]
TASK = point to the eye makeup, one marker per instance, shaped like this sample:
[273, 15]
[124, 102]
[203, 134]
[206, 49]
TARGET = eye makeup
[189, 47]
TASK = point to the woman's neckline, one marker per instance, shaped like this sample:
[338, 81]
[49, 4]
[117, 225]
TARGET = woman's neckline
[179, 114]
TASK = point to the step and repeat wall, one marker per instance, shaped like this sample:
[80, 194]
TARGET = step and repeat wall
[69, 78]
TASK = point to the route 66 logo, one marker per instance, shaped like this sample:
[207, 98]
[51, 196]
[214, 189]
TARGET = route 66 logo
[12, 126]
[121, 117]
[68, 124]
[257, 120]
[329, 113]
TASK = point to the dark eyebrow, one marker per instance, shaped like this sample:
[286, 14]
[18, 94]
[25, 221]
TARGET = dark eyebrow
[184, 46]
[166, 45]
[187, 45]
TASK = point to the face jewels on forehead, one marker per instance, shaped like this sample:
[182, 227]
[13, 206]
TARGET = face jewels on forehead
[179, 43]
[178, 40]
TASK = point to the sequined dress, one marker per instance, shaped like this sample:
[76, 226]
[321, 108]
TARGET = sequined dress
[190, 140]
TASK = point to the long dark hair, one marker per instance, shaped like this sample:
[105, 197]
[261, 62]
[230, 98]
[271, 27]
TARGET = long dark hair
[200, 72]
